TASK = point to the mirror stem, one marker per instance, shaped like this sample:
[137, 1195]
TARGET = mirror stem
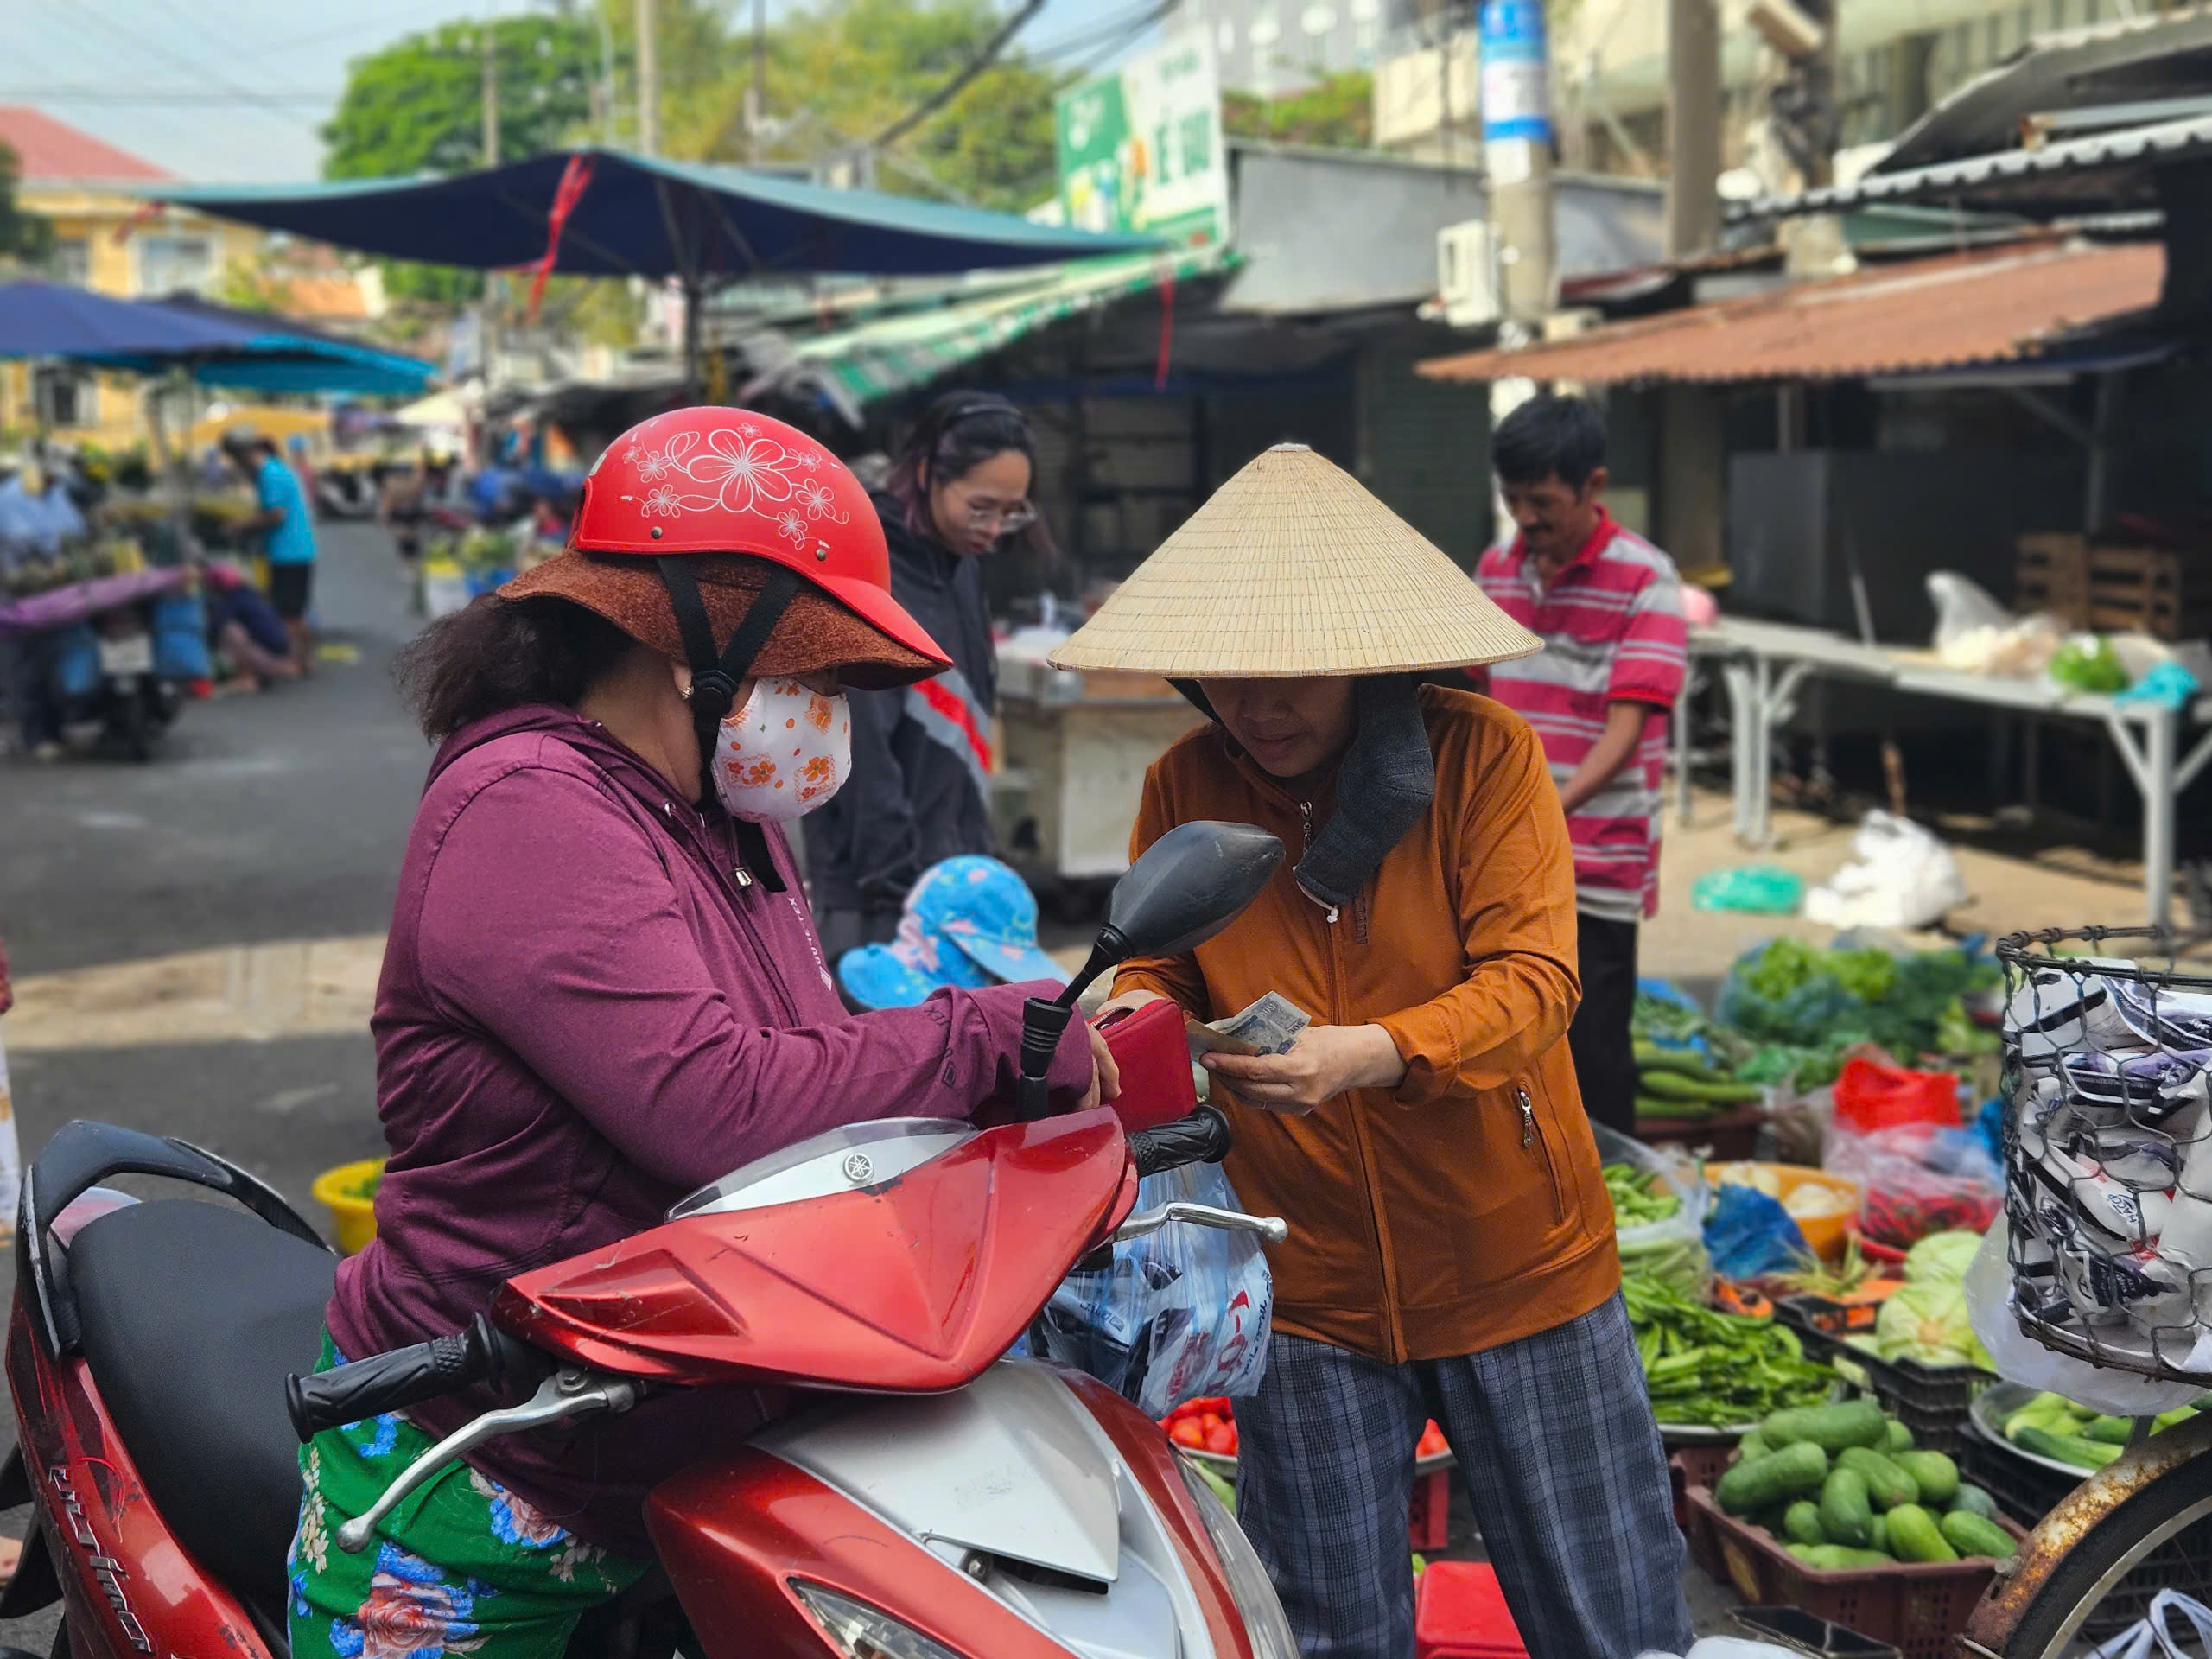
[1110, 950]
[1043, 1023]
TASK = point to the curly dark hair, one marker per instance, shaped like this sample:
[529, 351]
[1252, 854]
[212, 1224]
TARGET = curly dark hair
[498, 654]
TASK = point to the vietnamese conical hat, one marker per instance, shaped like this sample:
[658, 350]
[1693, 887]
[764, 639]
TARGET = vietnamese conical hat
[1292, 567]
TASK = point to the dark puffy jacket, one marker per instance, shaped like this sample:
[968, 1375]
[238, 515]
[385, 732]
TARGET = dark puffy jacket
[920, 788]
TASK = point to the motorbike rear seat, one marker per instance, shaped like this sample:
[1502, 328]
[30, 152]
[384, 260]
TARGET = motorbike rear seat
[192, 1313]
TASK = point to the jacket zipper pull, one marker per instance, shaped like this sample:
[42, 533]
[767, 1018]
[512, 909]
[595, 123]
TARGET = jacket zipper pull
[740, 874]
[1528, 1117]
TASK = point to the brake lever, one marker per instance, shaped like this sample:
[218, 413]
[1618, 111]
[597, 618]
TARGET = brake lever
[1274, 1228]
[568, 1393]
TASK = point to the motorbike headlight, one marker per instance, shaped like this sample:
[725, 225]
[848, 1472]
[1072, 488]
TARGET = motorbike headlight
[862, 1632]
[1264, 1622]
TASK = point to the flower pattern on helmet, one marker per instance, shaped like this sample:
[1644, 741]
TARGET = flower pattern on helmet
[652, 467]
[791, 528]
[746, 473]
[662, 503]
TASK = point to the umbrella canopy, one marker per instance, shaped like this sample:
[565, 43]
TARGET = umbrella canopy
[215, 344]
[634, 215]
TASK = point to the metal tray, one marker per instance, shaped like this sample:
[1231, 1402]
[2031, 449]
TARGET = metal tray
[1997, 1402]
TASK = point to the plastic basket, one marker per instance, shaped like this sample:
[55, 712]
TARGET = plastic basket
[353, 1217]
[1801, 1632]
[1932, 1400]
[1920, 1608]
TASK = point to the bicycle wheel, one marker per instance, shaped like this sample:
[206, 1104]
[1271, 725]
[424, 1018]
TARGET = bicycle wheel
[2104, 1551]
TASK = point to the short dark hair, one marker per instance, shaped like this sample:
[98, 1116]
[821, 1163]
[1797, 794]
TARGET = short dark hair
[498, 654]
[1547, 437]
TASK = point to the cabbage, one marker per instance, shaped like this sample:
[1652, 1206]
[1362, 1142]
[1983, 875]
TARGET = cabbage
[1926, 1320]
[1940, 1258]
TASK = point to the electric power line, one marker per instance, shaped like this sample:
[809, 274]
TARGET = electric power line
[976, 65]
[50, 93]
[1121, 26]
[246, 93]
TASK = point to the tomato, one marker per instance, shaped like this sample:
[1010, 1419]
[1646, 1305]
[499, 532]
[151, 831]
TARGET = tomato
[1187, 1432]
[1208, 1421]
[1233, 1438]
[1222, 1439]
[1218, 1404]
[1433, 1443]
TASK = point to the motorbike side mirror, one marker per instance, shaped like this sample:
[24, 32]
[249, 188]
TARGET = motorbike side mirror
[1189, 885]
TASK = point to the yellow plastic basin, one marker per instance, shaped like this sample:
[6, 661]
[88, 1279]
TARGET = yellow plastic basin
[353, 1217]
[1824, 1234]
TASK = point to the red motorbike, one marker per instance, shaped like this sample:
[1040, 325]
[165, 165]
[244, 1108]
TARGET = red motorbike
[932, 1498]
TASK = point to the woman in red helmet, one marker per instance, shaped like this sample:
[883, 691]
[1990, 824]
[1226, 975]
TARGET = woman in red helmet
[602, 990]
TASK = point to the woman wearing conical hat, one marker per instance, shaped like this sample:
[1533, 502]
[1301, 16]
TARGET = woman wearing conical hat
[1451, 1252]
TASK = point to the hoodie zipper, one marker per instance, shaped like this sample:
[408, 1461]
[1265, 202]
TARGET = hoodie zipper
[739, 884]
[1531, 1136]
[1305, 846]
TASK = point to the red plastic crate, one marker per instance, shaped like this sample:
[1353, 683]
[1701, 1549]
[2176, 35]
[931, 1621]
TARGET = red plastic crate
[1459, 1612]
[1432, 1510]
[1921, 1607]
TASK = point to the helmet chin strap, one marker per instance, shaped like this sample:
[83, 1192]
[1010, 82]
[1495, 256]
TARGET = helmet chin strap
[715, 677]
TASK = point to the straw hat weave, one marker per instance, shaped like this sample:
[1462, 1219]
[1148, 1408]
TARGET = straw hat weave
[1292, 567]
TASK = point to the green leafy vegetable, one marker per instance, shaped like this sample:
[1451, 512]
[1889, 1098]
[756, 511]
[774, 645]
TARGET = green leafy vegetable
[1636, 1196]
[1713, 1369]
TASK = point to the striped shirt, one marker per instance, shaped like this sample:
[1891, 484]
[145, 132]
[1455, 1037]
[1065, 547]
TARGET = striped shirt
[1612, 624]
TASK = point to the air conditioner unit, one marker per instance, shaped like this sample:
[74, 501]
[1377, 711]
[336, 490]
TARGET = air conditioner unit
[1467, 273]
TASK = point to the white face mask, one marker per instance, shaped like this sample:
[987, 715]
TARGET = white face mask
[784, 753]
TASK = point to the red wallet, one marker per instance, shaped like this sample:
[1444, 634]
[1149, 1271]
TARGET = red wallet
[1150, 1047]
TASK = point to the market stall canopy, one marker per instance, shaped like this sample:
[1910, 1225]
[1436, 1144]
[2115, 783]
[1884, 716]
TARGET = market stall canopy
[214, 345]
[2036, 304]
[636, 215]
[888, 355]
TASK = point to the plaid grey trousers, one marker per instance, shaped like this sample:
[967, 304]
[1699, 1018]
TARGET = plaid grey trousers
[1554, 1439]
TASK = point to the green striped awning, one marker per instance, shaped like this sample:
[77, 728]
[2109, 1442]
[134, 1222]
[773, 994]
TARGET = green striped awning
[893, 354]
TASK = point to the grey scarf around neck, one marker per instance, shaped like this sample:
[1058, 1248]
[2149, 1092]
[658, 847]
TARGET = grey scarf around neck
[1387, 780]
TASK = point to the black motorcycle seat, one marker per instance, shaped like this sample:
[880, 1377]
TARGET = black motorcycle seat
[193, 1314]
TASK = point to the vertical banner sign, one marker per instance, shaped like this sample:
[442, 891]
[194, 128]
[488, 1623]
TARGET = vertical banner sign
[1140, 149]
[1516, 80]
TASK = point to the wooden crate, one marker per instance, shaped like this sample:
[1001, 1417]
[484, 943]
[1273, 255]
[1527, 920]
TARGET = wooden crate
[2158, 590]
[2050, 573]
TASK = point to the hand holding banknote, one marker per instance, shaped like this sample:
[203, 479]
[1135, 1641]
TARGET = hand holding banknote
[1298, 1065]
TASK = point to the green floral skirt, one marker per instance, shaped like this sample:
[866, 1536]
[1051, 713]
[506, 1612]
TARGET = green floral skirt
[462, 1566]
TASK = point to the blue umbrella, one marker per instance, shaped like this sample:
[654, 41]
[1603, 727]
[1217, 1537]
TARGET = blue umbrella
[54, 320]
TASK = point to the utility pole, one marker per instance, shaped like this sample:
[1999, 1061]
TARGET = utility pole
[490, 96]
[1517, 73]
[758, 115]
[648, 82]
[1689, 515]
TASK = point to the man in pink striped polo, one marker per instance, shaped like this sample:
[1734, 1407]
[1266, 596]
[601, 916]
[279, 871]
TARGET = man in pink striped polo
[1608, 606]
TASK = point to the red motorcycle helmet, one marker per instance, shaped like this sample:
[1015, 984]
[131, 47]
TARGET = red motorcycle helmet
[710, 479]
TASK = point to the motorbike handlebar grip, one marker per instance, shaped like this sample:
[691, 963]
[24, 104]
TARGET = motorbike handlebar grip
[406, 1377]
[1203, 1137]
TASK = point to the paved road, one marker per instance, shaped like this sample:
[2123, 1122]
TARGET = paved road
[268, 817]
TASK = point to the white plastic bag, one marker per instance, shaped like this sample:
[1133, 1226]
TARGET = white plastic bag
[1974, 633]
[1727, 1647]
[1672, 1249]
[2153, 1638]
[2021, 1358]
[1901, 876]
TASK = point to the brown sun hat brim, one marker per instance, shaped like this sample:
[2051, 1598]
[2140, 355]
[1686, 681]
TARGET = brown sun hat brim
[814, 632]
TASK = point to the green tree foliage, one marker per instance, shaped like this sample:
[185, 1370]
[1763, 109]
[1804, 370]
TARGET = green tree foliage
[24, 236]
[1337, 112]
[838, 75]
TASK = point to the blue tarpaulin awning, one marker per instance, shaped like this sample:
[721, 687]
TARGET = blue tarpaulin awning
[635, 215]
[213, 344]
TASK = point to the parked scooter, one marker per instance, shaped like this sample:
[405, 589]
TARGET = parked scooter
[935, 1501]
[134, 702]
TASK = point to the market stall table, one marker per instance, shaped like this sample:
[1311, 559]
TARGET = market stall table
[1764, 663]
[1074, 748]
[61, 608]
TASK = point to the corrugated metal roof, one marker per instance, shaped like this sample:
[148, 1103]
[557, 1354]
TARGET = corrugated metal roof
[2009, 177]
[1963, 309]
[53, 152]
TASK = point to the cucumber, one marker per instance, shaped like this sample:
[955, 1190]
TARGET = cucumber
[1753, 1445]
[1855, 1422]
[1682, 1062]
[1887, 1485]
[1650, 1106]
[2113, 1431]
[1914, 1535]
[1802, 1525]
[1900, 1439]
[1970, 1534]
[1842, 1558]
[1935, 1475]
[2069, 1449]
[1880, 1531]
[1971, 1500]
[1846, 1517]
[1673, 1085]
[1794, 1472]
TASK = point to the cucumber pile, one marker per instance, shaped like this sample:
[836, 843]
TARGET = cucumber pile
[1678, 1083]
[2053, 1427]
[1843, 1488]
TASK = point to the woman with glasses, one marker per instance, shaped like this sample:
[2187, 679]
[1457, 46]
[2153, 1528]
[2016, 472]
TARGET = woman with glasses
[920, 786]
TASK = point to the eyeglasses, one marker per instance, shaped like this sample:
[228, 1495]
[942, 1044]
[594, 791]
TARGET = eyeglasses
[1008, 517]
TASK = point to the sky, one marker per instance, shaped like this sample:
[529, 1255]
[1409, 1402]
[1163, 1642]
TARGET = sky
[232, 90]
